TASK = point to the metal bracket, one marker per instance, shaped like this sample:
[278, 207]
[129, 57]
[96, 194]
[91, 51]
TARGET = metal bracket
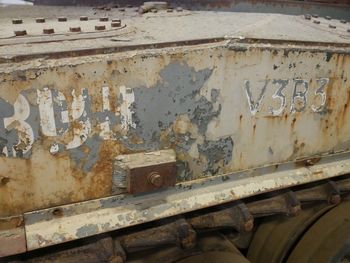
[144, 172]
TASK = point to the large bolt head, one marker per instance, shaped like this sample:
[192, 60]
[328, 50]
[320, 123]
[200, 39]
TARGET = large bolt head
[155, 179]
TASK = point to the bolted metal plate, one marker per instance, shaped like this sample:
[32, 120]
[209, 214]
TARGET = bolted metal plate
[144, 172]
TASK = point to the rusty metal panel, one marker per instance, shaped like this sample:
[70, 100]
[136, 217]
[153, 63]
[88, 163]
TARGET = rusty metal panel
[250, 91]
[60, 224]
[12, 236]
[222, 107]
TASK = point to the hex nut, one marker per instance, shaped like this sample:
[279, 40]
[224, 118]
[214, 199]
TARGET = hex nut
[343, 21]
[122, 9]
[307, 17]
[75, 29]
[116, 24]
[103, 19]
[155, 179]
[317, 22]
[83, 18]
[100, 27]
[328, 17]
[179, 9]
[169, 10]
[17, 21]
[62, 19]
[48, 31]
[332, 26]
[315, 15]
[20, 33]
[40, 20]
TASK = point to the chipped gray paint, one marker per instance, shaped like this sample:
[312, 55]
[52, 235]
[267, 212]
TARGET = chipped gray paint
[218, 154]
[87, 230]
[176, 93]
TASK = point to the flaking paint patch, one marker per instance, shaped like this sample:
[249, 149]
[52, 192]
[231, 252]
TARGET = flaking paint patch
[178, 92]
[87, 230]
[218, 154]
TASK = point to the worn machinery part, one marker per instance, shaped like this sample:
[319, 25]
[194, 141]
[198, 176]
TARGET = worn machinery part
[328, 240]
[236, 216]
[178, 233]
[276, 236]
[216, 248]
[286, 203]
[210, 247]
[329, 192]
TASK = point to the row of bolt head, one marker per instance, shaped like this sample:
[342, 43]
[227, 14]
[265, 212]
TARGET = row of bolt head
[115, 23]
[169, 10]
[308, 17]
[60, 19]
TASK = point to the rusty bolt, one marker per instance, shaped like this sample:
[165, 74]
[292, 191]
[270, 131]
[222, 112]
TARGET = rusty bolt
[307, 17]
[248, 225]
[17, 21]
[40, 20]
[332, 26]
[116, 24]
[100, 27]
[103, 19]
[62, 19]
[83, 18]
[317, 22]
[343, 21]
[48, 31]
[315, 15]
[4, 180]
[75, 29]
[155, 179]
[169, 10]
[328, 17]
[20, 33]
[179, 9]
[335, 199]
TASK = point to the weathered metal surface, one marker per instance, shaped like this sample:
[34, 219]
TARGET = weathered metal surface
[12, 236]
[237, 217]
[331, 8]
[56, 225]
[222, 107]
[178, 233]
[249, 91]
[145, 172]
